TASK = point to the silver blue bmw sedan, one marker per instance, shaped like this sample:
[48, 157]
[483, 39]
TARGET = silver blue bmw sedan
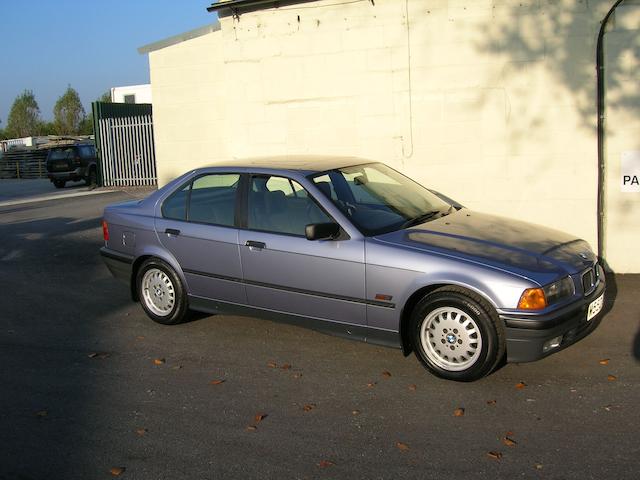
[356, 249]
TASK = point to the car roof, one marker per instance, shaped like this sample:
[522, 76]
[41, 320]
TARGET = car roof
[299, 163]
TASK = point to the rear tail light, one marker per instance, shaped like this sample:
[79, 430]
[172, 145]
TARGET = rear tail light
[105, 230]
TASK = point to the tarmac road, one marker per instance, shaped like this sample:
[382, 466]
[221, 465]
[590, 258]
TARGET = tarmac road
[80, 392]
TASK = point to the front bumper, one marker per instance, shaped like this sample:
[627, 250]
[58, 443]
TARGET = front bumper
[119, 264]
[526, 335]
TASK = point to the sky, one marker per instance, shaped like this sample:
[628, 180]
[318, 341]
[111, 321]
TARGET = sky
[90, 45]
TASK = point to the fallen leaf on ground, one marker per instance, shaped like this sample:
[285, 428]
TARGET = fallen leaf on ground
[325, 463]
[355, 412]
[259, 417]
[520, 385]
[117, 471]
[458, 412]
[604, 361]
[139, 337]
[495, 455]
[509, 442]
[272, 365]
[99, 355]
[607, 408]
[413, 387]
[42, 413]
[538, 466]
[141, 431]
[612, 378]
[159, 361]
[217, 382]
[491, 402]
[297, 375]
[402, 446]
[371, 384]
[252, 428]
[309, 406]
[285, 366]
[386, 374]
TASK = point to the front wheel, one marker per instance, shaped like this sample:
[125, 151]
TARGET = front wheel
[457, 335]
[161, 292]
[59, 183]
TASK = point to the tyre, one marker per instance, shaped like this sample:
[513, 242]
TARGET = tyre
[457, 335]
[92, 178]
[161, 292]
[59, 183]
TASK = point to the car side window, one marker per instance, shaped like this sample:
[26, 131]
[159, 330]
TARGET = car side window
[281, 205]
[213, 199]
[175, 207]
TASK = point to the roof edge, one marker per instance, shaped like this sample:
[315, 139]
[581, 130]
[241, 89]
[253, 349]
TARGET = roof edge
[182, 37]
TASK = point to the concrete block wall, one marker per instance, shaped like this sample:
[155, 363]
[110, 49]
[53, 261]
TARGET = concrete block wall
[491, 102]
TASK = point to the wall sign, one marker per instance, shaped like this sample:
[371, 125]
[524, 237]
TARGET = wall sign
[630, 171]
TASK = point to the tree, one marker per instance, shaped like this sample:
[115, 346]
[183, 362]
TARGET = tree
[105, 97]
[24, 116]
[68, 113]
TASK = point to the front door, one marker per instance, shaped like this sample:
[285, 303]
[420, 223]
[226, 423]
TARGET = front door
[285, 272]
[198, 227]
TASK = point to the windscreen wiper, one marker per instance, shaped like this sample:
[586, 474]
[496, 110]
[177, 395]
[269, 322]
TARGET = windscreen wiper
[420, 218]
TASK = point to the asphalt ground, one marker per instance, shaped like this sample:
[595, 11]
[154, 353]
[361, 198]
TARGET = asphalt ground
[88, 384]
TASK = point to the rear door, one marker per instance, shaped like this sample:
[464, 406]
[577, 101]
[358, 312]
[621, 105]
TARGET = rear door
[285, 272]
[197, 226]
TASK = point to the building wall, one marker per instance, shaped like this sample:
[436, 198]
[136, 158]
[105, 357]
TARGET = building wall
[142, 93]
[491, 102]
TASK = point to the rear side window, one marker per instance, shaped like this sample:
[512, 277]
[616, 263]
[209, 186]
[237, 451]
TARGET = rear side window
[213, 199]
[87, 151]
[175, 207]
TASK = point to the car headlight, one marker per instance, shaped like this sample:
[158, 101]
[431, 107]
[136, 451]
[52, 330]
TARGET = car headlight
[539, 298]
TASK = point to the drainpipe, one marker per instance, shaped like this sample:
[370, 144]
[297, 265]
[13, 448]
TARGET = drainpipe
[600, 110]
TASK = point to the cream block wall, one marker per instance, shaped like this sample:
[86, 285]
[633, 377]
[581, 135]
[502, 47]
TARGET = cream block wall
[491, 102]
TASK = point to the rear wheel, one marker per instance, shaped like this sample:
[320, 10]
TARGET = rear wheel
[59, 183]
[92, 178]
[161, 292]
[457, 335]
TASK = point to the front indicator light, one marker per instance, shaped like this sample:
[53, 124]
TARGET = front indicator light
[532, 299]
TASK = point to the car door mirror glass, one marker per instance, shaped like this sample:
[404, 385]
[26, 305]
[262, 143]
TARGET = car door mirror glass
[322, 231]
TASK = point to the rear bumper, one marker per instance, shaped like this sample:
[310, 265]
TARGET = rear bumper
[76, 174]
[119, 264]
[526, 335]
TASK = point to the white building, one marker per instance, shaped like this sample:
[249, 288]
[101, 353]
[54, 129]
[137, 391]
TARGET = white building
[491, 102]
[131, 94]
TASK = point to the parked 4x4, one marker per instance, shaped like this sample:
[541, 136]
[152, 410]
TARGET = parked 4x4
[72, 163]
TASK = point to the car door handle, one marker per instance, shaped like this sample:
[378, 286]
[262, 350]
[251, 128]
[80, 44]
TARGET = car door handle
[172, 231]
[257, 245]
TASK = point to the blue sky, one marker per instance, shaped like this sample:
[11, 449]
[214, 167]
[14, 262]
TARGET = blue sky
[90, 45]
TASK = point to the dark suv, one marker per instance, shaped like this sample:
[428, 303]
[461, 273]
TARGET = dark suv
[72, 163]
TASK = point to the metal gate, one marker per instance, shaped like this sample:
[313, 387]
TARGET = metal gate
[124, 139]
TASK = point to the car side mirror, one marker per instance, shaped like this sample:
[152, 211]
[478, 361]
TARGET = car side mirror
[322, 231]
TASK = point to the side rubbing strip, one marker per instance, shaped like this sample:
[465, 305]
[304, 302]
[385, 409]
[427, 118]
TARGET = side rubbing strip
[375, 303]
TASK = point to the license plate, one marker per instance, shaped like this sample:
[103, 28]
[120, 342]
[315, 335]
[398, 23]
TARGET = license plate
[595, 307]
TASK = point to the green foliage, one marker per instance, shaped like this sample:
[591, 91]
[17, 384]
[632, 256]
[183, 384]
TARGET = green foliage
[68, 113]
[105, 97]
[24, 117]
[47, 128]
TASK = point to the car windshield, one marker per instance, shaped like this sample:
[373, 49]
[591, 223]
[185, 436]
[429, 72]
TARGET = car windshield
[378, 199]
